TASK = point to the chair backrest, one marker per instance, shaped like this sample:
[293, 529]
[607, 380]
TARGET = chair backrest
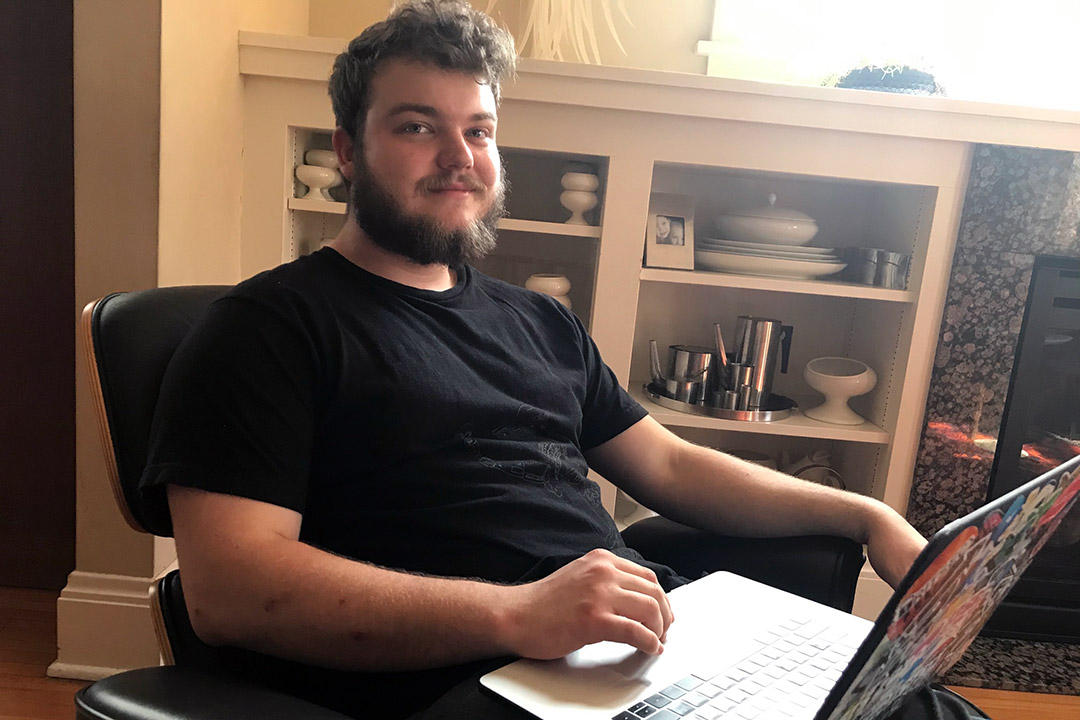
[130, 339]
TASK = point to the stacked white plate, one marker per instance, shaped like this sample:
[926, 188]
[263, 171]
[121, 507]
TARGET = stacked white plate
[756, 258]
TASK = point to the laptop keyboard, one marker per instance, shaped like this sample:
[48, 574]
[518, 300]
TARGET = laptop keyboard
[788, 676]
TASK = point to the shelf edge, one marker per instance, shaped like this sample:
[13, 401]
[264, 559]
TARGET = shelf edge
[865, 433]
[761, 282]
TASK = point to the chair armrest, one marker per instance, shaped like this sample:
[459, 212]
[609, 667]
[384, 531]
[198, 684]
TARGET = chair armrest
[818, 567]
[173, 693]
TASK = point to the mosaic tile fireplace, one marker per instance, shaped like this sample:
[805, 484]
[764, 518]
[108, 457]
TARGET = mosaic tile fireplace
[1020, 204]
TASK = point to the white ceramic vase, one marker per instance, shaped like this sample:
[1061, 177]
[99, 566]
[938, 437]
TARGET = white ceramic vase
[838, 379]
[319, 180]
[579, 195]
[557, 286]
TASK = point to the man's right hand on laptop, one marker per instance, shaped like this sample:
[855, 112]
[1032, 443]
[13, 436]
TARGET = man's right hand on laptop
[599, 596]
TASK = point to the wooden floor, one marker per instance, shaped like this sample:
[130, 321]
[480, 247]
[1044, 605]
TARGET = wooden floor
[28, 645]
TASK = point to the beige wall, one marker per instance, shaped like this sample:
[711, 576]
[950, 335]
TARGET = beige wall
[664, 35]
[347, 18]
[344, 18]
[116, 55]
[202, 132]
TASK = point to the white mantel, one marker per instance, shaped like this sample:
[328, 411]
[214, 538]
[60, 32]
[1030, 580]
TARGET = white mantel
[932, 118]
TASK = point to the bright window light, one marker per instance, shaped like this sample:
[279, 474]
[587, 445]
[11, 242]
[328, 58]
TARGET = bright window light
[1018, 52]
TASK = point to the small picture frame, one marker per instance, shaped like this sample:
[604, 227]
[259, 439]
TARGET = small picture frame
[669, 236]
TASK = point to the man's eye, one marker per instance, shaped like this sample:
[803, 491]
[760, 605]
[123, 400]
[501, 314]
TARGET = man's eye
[480, 133]
[414, 129]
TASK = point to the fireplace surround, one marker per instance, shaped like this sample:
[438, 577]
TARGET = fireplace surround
[1020, 203]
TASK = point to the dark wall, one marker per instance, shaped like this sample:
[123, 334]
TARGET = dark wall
[1020, 203]
[37, 294]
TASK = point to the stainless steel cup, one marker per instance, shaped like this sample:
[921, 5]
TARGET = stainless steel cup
[688, 391]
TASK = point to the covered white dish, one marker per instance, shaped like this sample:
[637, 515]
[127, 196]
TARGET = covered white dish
[770, 224]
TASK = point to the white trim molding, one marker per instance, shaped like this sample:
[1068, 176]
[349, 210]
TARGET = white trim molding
[871, 594]
[103, 626]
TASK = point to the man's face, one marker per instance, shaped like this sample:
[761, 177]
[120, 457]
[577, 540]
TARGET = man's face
[427, 179]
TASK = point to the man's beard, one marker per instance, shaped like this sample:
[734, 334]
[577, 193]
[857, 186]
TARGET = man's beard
[419, 238]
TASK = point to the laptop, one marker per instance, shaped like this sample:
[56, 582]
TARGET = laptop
[739, 649]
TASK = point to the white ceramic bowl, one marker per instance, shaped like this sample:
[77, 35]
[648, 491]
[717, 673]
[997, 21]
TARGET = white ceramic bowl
[839, 379]
[318, 180]
[321, 158]
[769, 224]
[775, 230]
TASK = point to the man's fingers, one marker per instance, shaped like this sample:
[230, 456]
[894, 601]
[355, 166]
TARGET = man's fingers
[622, 629]
[651, 588]
[642, 608]
[633, 568]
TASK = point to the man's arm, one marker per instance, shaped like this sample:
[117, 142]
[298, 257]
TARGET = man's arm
[713, 491]
[250, 582]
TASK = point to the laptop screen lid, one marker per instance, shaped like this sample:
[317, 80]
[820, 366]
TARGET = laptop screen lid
[957, 582]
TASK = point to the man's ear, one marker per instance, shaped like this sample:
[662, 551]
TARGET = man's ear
[343, 146]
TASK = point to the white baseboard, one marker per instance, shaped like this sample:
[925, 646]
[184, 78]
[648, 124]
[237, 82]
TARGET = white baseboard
[81, 672]
[871, 594]
[103, 626]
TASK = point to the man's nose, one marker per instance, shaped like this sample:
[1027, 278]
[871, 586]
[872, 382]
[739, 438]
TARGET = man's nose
[455, 153]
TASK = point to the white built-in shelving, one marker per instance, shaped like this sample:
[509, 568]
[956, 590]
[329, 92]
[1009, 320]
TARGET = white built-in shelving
[313, 205]
[541, 227]
[825, 287]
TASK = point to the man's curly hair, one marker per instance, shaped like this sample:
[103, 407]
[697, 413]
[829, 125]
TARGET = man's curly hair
[448, 34]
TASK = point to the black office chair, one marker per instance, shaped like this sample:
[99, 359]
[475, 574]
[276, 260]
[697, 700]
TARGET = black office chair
[130, 339]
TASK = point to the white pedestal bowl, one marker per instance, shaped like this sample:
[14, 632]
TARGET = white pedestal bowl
[319, 180]
[838, 379]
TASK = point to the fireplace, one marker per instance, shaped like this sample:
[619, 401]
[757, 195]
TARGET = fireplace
[1040, 430]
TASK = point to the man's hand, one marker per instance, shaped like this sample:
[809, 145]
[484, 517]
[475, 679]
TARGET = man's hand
[892, 544]
[599, 596]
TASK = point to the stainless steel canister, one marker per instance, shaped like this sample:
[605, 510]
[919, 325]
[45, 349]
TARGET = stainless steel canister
[893, 269]
[881, 268]
[758, 340]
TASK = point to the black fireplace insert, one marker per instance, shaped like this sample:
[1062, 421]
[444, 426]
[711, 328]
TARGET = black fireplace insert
[1040, 430]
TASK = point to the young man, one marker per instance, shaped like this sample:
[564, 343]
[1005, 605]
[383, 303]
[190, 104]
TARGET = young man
[375, 457]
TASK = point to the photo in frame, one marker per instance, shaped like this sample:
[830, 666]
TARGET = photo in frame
[669, 235]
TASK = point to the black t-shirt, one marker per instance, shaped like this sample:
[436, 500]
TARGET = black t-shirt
[439, 432]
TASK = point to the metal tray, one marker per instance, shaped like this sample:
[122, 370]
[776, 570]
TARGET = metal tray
[779, 407]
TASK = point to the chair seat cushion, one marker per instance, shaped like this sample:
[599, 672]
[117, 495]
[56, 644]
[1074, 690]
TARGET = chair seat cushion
[173, 693]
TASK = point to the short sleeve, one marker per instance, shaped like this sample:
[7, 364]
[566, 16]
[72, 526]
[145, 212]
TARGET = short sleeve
[608, 409]
[237, 407]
